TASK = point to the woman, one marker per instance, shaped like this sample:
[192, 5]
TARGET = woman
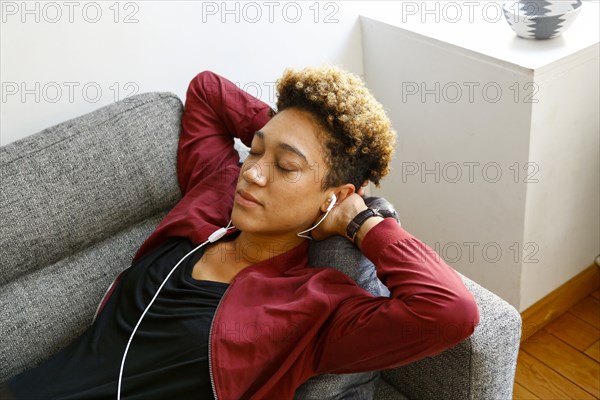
[243, 315]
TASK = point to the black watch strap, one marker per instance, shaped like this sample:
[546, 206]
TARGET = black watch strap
[360, 219]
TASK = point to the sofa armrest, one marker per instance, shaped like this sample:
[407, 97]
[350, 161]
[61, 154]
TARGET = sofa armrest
[481, 367]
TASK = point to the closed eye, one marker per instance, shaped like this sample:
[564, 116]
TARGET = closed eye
[284, 169]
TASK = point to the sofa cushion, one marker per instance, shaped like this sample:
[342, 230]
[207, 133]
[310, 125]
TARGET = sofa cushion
[359, 386]
[480, 367]
[385, 391]
[81, 181]
[42, 312]
[78, 199]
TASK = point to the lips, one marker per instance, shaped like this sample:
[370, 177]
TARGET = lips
[244, 198]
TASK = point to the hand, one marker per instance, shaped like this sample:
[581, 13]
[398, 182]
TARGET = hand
[339, 217]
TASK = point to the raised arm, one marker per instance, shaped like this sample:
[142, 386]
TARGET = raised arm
[429, 309]
[215, 112]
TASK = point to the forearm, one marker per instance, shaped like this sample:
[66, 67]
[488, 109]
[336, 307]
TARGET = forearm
[428, 311]
[215, 112]
[413, 271]
[217, 104]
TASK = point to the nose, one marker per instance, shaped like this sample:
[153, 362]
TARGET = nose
[253, 174]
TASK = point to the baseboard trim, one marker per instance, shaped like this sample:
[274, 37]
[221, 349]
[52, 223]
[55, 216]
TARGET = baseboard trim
[560, 300]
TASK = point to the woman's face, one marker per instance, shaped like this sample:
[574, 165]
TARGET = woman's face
[279, 189]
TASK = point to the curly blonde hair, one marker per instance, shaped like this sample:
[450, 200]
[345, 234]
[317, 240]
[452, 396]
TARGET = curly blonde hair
[360, 140]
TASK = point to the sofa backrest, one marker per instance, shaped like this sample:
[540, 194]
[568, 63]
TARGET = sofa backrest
[76, 201]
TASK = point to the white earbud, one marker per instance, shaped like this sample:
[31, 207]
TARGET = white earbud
[332, 201]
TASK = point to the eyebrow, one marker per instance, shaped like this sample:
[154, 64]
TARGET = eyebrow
[284, 146]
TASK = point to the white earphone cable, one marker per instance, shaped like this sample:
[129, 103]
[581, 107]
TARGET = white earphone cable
[332, 201]
[218, 234]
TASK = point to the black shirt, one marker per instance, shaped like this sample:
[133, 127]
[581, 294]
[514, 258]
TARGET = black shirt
[168, 357]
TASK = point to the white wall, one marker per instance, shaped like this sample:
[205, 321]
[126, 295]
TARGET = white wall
[444, 180]
[563, 208]
[46, 64]
[538, 225]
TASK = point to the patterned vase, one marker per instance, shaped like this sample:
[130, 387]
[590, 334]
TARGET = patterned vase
[541, 19]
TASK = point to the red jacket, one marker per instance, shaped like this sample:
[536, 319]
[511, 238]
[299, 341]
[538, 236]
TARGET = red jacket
[281, 322]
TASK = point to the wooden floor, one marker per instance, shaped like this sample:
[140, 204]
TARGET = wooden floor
[562, 361]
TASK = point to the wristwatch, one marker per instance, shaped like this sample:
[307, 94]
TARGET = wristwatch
[360, 219]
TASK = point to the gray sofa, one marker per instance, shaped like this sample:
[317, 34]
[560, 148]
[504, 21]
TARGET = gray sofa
[78, 199]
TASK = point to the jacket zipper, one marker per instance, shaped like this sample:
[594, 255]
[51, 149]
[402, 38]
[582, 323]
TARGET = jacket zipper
[210, 370]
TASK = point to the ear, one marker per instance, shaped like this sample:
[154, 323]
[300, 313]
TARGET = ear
[341, 193]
